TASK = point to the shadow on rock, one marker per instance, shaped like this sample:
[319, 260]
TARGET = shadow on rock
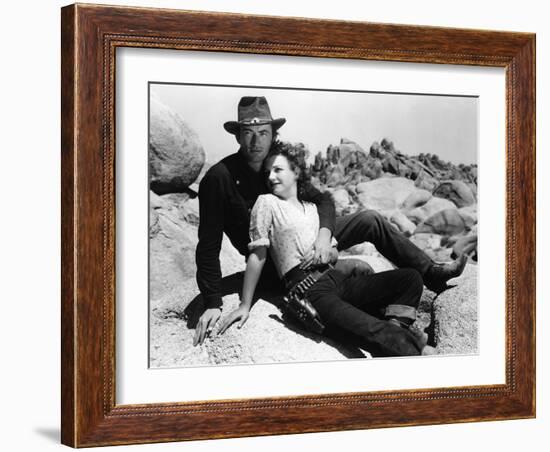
[196, 307]
[334, 338]
[231, 284]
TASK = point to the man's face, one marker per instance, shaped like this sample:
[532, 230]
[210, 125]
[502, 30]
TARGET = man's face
[255, 142]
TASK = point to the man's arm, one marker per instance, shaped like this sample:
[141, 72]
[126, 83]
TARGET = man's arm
[207, 255]
[325, 206]
[211, 221]
[321, 253]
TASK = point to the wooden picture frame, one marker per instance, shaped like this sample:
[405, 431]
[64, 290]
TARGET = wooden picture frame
[90, 36]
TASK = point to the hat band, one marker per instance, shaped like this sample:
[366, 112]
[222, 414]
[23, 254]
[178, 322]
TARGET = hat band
[256, 121]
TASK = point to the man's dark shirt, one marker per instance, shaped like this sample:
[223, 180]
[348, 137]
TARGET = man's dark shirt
[227, 194]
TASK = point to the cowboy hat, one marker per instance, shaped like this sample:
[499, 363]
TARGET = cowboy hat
[253, 111]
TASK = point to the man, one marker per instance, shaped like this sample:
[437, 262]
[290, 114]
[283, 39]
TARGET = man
[229, 190]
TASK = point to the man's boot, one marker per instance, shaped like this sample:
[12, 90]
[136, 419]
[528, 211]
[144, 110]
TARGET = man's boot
[437, 275]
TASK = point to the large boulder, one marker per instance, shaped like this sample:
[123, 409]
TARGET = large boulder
[431, 207]
[432, 245]
[416, 199]
[400, 220]
[176, 156]
[456, 316]
[445, 222]
[173, 240]
[267, 338]
[456, 191]
[349, 151]
[386, 193]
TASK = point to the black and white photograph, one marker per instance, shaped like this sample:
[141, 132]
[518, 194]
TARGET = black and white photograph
[301, 225]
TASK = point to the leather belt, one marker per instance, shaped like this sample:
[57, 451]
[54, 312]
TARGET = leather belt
[298, 279]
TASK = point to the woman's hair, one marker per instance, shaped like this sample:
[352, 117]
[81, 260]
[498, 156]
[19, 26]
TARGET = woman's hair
[296, 155]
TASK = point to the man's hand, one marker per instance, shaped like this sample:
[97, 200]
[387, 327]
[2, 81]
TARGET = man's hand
[240, 314]
[321, 253]
[206, 324]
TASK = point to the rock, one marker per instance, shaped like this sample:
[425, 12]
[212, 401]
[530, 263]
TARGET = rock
[375, 150]
[173, 240]
[155, 201]
[267, 338]
[469, 215]
[456, 191]
[431, 207]
[465, 245]
[364, 249]
[372, 169]
[377, 262]
[336, 176]
[349, 150]
[426, 182]
[386, 193]
[445, 222]
[341, 200]
[404, 225]
[455, 315]
[426, 241]
[154, 226]
[416, 199]
[176, 156]
[390, 164]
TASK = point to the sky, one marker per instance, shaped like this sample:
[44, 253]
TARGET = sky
[442, 125]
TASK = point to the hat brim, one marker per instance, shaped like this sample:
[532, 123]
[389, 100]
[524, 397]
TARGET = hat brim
[234, 126]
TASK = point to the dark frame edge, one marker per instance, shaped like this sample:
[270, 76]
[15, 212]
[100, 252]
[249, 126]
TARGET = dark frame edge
[524, 66]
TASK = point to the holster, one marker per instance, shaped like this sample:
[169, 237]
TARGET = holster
[297, 306]
[300, 309]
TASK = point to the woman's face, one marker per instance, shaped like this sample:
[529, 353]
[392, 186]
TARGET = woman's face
[281, 177]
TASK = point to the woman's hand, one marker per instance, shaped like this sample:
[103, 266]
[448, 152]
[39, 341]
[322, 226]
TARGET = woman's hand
[240, 314]
[321, 253]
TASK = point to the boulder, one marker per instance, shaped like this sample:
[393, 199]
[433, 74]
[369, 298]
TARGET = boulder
[456, 191]
[173, 241]
[267, 338]
[341, 200]
[400, 220]
[431, 207]
[176, 156]
[469, 214]
[426, 182]
[465, 245]
[386, 193]
[456, 316]
[445, 222]
[427, 242]
[390, 164]
[349, 150]
[264, 338]
[365, 249]
[377, 262]
[335, 176]
[416, 199]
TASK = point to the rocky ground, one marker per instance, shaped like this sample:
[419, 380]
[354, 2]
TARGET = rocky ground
[430, 201]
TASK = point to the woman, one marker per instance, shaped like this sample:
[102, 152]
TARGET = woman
[377, 308]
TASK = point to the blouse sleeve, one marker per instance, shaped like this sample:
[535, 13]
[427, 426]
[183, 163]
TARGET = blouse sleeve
[261, 219]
